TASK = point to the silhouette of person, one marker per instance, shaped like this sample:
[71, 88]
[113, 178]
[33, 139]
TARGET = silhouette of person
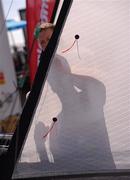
[79, 139]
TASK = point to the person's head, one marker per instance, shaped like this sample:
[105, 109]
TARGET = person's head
[46, 30]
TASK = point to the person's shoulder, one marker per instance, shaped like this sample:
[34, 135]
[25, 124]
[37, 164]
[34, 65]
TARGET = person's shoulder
[59, 57]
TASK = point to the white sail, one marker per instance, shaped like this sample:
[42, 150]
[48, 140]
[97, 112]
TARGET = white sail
[10, 105]
[87, 90]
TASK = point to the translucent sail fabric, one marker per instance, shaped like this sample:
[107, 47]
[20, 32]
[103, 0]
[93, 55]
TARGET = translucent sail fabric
[82, 121]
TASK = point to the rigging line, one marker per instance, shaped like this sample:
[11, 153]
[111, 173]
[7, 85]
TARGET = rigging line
[78, 49]
[3, 26]
[75, 41]
[63, 51]
[52, 125]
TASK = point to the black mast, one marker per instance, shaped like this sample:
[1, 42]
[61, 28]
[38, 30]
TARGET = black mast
[54, 11]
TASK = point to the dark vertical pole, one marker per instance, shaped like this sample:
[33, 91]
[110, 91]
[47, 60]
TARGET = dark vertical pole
[54, 11]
